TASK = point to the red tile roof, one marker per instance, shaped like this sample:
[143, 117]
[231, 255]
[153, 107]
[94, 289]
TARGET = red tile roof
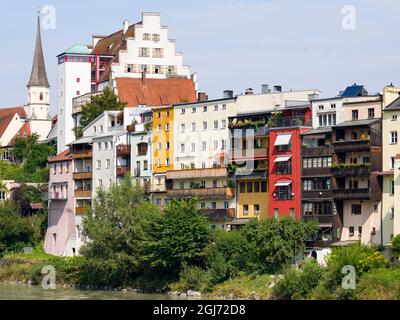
[24, 132]
[63, 156]
[155, 92]
[6, 116]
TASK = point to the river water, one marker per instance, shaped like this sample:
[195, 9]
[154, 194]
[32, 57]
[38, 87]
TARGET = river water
[26, 292]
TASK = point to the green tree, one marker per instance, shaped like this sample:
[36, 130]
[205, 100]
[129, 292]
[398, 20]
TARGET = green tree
[107, 101]
[116, 228]
[24, 195]
[32, 154]
[274, 243]
[182, 235]
[396, 246]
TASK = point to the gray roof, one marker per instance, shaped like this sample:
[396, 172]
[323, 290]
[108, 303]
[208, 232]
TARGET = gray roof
[395, 105]
[83, 140]
[355, 123]
[38, 73]
[317, 131]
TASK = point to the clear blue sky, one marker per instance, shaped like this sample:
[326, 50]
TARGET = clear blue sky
[231, 44]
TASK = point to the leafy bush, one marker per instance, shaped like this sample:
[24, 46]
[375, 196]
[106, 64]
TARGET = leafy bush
[396, 246]
[379, 284]
[192, 278]
[298, 284]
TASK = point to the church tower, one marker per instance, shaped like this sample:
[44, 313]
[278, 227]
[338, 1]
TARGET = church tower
[38, 106]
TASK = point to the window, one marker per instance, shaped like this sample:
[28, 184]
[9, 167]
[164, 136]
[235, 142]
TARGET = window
[156, 37]
[183, 127]
[216, 108]
[249, 187]
[100, 182]
[144, 52]
[204, 125]
[392, 187]
[108, 163]
[215, 144]
[320, 120]
[292, 213]
[146, 36]
[224, 107]
[193, 110]
[257, 209]
[159, 128]
[215, 125]
[193, 147]
[203, 205]
[205, 108]
[393, 137]
[213, 205]
[193, 126]
[256, 186]
[167, 127]
[145, 165]
[242, 187]
[158, 53]
[94, 129]
[159, 146]
[182, 148]
[78, 80]
[245, 209]
[67, 167]
[276, 213]
[171, 69]
[392, 162]
[394, 117]
[99, 146]
[167, 162]
[333, 106]
[203, 165]
[98, 164]
[226, 205]
[308, 209]
[159, 202]
[158, 163]
[321, 107]
[391, 213]
[351, 231]
[204, 146]
[223, 144]
[354, 114]
[371, 113]
[130, 68]
[263, 186]
[183, 111]
[356, 209]
[223, 124]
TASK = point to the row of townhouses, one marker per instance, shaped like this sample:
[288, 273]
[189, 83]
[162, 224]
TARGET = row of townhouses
[274, 153]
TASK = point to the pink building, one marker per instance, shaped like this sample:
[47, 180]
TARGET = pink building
[63, 232]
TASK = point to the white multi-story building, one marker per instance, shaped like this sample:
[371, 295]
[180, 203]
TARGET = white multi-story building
[136, 51]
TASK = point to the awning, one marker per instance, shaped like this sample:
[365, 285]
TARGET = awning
[283, 183]
[282, 158]
[325, 225]
[283, 139]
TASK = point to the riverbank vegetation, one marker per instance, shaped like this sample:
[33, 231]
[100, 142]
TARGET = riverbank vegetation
[134, 244]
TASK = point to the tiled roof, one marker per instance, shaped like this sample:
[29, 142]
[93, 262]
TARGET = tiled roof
[63, 156]
[155, 92]
[24, 132]
[6, 116]
[395, 105]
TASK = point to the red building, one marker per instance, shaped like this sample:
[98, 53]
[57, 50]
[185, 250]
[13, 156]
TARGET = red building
[285, 162]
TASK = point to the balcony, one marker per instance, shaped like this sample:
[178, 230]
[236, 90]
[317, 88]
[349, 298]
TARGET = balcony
[317, 151]
[352, 194]
[123, 171]
[218, 214]
[197, 173]
[316, 194]
[83, 193]
[237, 154]
[82, 175]
[352, 146]
[216, 193]
[81, 210]
[54, 196]
[316, 172]
[351, 170]
[256, 174]
[85, 154]
[124, 150]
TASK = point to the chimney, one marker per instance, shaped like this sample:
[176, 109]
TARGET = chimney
[249, 92]
[265, 89]
[202, 96]
[125, 27]
[277, 88]
[228, 94]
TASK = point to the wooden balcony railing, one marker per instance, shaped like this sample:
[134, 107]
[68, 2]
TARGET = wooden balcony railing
[352, 146]
[83, 193]
[82, 175]
[220, 193]
[81, 210]
[342, 171]
[348, 194]
[219, 214]
[87, 154]
[326, 151]
[122, 171]
[197, 173]
[237, 154]
[124, 150]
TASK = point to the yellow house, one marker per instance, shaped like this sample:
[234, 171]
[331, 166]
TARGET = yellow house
[252, 199]
[163, 151]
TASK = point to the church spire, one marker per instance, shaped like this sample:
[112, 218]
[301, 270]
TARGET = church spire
[38, 74]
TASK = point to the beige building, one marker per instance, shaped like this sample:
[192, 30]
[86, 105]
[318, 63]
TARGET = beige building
[391, 148]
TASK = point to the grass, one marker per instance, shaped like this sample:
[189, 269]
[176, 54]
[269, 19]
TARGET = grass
[379, 284]
[245, 287]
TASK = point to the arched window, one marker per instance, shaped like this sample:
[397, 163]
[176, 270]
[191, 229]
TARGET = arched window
[41, 96]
